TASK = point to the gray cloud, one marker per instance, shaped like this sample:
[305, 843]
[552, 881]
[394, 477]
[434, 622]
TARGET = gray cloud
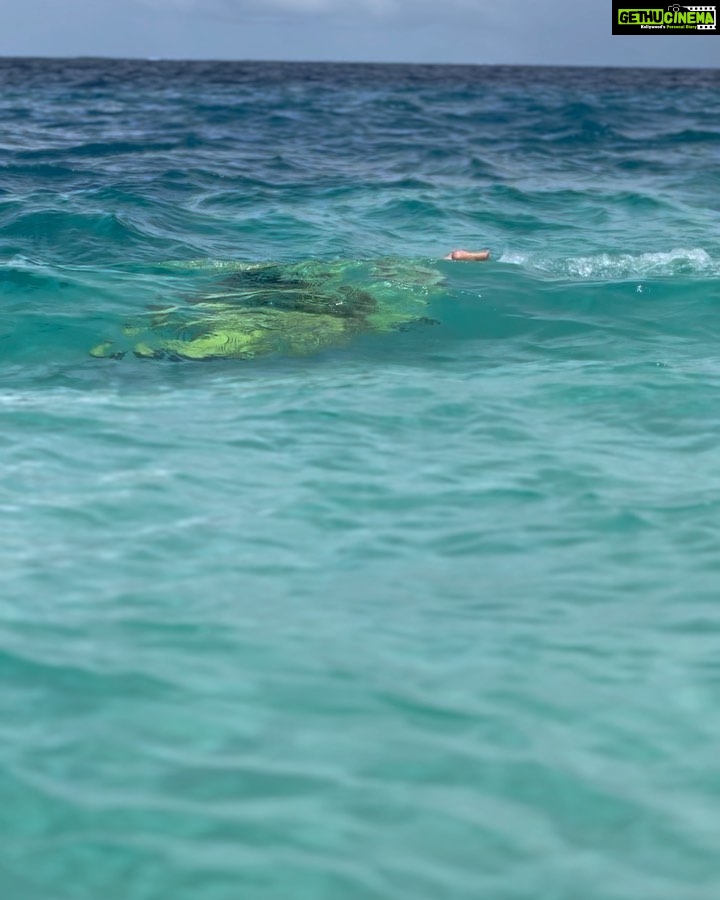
[410, 11]
[242, 10]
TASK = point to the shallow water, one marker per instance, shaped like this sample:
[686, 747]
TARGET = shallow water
[432, 614]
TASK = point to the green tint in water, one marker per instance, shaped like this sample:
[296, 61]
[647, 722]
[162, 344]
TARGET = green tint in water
[299, 309]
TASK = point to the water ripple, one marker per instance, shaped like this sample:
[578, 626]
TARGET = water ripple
[433, 614]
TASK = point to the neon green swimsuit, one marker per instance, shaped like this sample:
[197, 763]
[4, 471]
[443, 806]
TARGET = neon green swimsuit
[295, 309]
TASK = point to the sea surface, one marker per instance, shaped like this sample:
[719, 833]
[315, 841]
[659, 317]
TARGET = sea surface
[431, 615]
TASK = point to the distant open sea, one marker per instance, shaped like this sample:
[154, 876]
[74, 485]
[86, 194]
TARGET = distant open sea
[431, 615]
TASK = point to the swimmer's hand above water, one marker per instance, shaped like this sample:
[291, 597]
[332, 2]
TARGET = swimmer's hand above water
[469, 255]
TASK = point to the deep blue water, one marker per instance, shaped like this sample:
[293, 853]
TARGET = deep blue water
[432, 613]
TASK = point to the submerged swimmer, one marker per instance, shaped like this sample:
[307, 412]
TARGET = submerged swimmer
[297, 309]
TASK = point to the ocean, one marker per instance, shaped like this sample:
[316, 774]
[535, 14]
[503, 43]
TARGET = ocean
[429, 611]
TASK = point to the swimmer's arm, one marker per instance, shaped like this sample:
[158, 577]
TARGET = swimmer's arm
[469, 255]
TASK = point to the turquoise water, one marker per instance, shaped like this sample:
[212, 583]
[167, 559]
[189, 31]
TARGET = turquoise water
[431, 614]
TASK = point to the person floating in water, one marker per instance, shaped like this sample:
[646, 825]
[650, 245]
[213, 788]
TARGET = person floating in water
[260, 309]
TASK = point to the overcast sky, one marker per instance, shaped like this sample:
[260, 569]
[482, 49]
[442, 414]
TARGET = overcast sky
[550, 32]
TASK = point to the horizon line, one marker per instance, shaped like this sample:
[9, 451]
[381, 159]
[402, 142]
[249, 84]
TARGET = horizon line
[349, 62]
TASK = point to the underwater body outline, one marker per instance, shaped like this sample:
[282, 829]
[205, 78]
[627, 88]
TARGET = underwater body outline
[268, 308]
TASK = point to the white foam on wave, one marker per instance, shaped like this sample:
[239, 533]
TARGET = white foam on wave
[18, 262]
[678, 261]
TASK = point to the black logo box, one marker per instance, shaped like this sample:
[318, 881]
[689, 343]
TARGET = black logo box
[654, 27]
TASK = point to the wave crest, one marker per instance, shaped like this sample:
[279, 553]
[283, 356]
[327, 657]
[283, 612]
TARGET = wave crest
[608, 266]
